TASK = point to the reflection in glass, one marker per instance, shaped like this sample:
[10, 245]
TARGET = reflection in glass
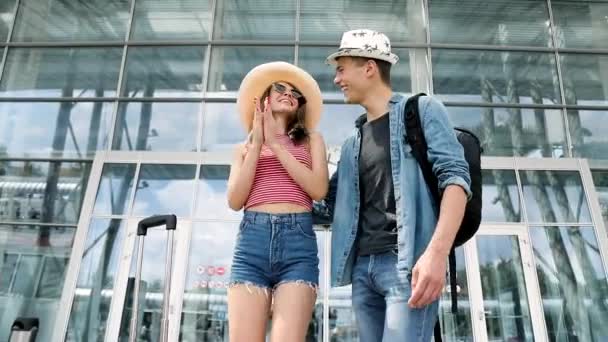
[42, 191]
[205, 307]
[554, 196]
[312, 59]
[114, 189]
[600, 179]
[164, 189]
[581, 24]
[211, 200]
[585, 78]
[64, 20]
[7, 13]
[327, 20]
[61, 72]
[457, 327]
[514, 132]
[171, 20]
[44, 129]
[573, 283]
[229, 64]
[499, 22]
[255, 20]
[94, 288]
[168, 71]
[222, 127]
[161, 126]
[342, 325]
[588, 131]
[505, 300]
[500, 196]
[151, 292]
[33, 261]
[495, 76]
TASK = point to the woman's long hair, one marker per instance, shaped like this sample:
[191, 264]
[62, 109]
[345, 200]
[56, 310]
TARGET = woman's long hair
[296, 129]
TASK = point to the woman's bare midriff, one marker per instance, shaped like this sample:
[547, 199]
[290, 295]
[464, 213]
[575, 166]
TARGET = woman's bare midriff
[279, 208]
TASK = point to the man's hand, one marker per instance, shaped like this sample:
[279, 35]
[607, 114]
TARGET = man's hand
[428, 278]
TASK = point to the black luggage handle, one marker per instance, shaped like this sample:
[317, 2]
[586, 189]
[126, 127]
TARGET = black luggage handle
[25, 324]
[154, 221]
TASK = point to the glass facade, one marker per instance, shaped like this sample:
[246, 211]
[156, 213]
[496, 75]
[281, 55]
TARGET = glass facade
[111, 110]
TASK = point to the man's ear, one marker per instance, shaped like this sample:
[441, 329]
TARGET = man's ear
[371, 68]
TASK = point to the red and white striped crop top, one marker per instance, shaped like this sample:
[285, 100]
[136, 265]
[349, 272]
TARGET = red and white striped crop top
[272, 183]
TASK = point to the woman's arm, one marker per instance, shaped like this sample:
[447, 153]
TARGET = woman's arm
[242, 173]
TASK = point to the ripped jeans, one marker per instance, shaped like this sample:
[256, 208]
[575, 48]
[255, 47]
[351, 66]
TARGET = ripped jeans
[273, 249]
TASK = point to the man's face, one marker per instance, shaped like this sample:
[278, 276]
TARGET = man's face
[351, 78]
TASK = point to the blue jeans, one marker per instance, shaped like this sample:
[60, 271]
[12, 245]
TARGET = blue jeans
[380, 295]
[273, 249]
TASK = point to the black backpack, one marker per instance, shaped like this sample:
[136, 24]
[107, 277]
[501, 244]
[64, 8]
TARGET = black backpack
[472, 152]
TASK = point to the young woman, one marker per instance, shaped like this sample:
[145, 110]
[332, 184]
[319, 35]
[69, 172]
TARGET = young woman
[275, 176]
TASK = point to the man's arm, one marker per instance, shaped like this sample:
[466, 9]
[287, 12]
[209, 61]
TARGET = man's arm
[447, 157]
[323, 210]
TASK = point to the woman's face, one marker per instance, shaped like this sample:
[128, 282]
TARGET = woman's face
[284, 98]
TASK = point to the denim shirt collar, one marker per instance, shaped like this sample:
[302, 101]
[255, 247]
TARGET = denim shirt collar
[362, 119]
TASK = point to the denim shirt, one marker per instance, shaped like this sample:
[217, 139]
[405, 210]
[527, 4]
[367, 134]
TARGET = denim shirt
[415, 209]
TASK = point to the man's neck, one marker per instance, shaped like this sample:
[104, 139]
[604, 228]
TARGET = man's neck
[376, 103]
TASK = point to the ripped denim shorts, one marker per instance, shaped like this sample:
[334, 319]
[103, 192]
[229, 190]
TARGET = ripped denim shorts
[273, 249]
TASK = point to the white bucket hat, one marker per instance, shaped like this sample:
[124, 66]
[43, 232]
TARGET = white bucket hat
[364, 43]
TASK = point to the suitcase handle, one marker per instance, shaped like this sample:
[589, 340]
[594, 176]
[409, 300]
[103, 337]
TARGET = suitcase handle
[154, 221]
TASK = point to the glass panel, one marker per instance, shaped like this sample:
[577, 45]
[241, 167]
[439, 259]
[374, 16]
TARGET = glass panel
[588, 131]
[94, 289]
[312, 59]
[505, 301]
[63, 20]
[7, 13]
[500, 196]
[205, 306]
[229, 64]
[518, 132]
[211, 202]
[600, 179]
[222, 127]
[171, 20]
[42, 191]
[581, 24]
[25, 254]
[500, 22]
[45, 129]
[342, 324]
[255, 20]
[457, 327]
[585, 79]
[572, 281]
[164, 189]
[338, 122]
[157, 126]
[327, 20]
[164, 72]
[151, 288]
[495, 76]
[61, 72]
[554, 196]
[115, 188]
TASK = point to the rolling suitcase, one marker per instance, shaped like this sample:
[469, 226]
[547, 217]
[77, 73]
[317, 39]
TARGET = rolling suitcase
[170, 221]
[24, 329]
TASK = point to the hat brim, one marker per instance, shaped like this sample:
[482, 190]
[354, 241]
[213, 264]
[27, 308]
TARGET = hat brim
[391, 58]
[261, 77]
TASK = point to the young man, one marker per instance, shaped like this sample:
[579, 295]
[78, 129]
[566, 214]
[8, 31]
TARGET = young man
[387, 239]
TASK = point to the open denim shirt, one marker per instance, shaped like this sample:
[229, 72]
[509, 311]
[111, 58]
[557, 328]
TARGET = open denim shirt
[415, 209]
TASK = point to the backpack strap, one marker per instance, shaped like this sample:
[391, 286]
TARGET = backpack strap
[414, 136]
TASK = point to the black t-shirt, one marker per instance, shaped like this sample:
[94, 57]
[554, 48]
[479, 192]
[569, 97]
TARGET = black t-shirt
[377, 219]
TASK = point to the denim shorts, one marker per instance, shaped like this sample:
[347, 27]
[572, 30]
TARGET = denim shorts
[272, 249]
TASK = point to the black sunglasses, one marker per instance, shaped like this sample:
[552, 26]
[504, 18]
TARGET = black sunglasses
[281, 89]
